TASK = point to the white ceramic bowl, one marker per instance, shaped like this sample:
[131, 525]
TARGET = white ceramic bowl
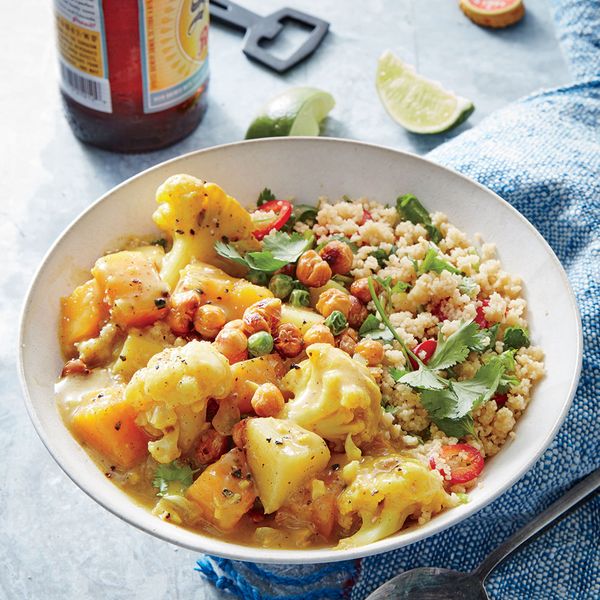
[307, 168]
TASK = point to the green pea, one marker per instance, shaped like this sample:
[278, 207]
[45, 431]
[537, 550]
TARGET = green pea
[281, 285]
[300, 298]
[260, 343]
[257, 277]
[336, 321]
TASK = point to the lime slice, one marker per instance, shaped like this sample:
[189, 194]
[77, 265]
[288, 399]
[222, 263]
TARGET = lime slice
[297, 111]
[418, 104]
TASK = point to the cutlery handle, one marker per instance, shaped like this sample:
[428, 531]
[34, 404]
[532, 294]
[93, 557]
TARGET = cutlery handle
[576, 495]
[232, 14]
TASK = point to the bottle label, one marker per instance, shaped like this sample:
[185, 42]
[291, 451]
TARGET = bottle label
[82, 52]
[174, 51]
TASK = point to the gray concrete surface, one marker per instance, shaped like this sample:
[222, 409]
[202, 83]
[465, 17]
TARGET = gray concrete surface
[56, 542]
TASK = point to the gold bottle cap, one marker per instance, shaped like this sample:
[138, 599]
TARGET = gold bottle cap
[493, 13]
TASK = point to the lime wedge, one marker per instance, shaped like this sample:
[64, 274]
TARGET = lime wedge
[297, 111]
[418, 104]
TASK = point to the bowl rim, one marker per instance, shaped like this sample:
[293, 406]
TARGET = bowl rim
[249, 553]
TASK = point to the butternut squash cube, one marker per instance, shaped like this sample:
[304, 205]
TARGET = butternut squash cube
[216, 287]
[82, 314]
[132, 288]
[225, 491]
[106, 423]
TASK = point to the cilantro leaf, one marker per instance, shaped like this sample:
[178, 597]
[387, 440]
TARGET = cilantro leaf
[285, 247]
[229, 252]
[450, 409]
[482, 340]
[264, 261]
[385, 336]
[397, 374]
[477, 391]
[432, 262]
[399, 286]
[382, 256]
[442, 404]
[279, 249]
[457, 428]
[265, 196]
[173, 471]
[493, 333]
[384, 283]
[304, 213]
[507, 380]
[371, 323]
[455, 348]
[424, 379]
[516, 337]
[410, 208]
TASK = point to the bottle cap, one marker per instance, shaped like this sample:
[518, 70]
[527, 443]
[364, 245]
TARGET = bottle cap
[493, 13]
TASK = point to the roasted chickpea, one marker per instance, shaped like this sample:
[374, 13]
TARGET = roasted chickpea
[312, 270]
[371, 351]
[360, 289]
[235, 324]
[338, 256]
[334, 299]
[267, 400]
[346, 341]
[319, 334]
[233, 344]
[288, 340]
[239, 433]
[210, 446]
[209, 320]
[357, 314]
[75, 366]
[263, 315]
[182, 308]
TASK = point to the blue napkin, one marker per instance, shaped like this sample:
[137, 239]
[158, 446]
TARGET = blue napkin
[542, 154]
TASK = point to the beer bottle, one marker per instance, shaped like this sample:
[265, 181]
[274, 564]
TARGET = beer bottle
[133, 73]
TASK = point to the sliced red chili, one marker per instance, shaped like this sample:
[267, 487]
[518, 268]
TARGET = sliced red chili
[424, 351]
[366, 216]
[283, 210]
[438, 311]
[480, 316]
[465, 462]
[500, 399]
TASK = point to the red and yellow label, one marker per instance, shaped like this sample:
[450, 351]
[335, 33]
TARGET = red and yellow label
[174, 50]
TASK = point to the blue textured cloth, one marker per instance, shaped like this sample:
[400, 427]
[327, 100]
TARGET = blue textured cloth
[542, 154]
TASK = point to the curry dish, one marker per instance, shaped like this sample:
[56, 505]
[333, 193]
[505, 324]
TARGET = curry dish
[295, 376]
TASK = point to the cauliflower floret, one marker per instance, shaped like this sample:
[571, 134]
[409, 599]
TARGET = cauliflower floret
[334, 396]
[196, 214]
[383, 491]
[171, 393]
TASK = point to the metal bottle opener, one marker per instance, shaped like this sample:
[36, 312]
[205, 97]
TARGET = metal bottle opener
[259, 28]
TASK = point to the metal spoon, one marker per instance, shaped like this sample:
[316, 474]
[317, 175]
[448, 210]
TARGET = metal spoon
[432, 583]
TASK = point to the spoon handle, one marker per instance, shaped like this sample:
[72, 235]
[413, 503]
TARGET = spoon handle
[552, 514]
